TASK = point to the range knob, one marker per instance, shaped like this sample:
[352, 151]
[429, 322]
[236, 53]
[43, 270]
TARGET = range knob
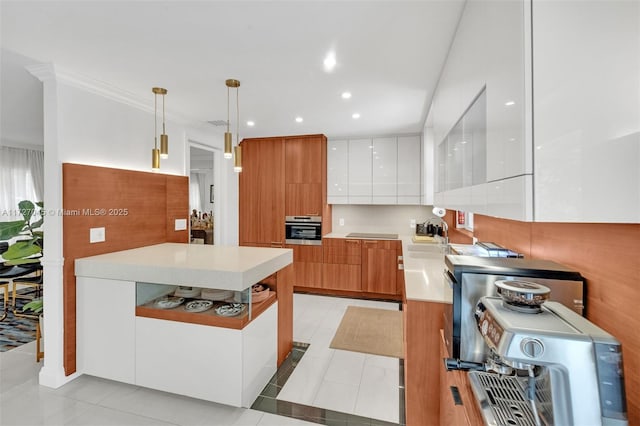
[484, 327]
[533, 348]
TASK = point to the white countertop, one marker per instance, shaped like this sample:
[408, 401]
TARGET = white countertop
[423, 270]
[208, 266]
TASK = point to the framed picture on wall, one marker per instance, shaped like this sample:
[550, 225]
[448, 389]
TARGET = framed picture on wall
[211, 193]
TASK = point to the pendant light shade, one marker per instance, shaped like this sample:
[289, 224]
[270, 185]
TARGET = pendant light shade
[228, 142]
[163, 151]
[229, 150]
[237, 160]
[155, 159]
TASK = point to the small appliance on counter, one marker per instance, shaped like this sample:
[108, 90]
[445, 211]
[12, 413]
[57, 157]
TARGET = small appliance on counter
[472, 277]
[547, 365]
[303, 230]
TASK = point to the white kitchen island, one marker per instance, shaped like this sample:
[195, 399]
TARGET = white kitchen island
[122, 335]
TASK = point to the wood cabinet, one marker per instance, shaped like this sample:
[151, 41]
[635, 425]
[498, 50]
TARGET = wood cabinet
[341, 267]
[305, 172]
[457, 403]
[281, 176]
[380, 266]
[261, 195]
[307, 265]
[422, 362]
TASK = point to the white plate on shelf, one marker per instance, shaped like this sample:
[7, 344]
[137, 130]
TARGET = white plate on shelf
[198, 305]
[231, 309]
[169, 302]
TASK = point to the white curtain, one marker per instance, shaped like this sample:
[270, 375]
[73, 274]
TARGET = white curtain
[21, 178]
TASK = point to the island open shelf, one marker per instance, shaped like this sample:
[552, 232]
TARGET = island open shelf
[250, 311]
[133, 325]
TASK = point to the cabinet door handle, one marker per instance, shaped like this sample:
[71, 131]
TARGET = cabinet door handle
[276, 244]
[353, 241]
[455, 393]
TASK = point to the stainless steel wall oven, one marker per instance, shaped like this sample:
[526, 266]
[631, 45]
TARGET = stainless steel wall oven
[303, 230]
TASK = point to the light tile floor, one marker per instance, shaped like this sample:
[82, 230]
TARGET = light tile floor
[349, 382]
[90, 401]
[344, 381]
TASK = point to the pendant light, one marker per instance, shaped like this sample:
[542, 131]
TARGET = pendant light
[164, 139]
[236, 152]
[155, 152]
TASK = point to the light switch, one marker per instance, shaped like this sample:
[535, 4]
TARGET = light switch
[181, 224]
[97, 235]
[341, 221]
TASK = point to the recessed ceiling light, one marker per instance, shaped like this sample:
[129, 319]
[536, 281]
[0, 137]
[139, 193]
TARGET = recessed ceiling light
[299, 120]
[509, 103]
[346, 95]
[329, 62]
[251, 123]
[355, 115]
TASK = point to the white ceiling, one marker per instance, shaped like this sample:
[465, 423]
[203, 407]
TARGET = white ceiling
[389, 56]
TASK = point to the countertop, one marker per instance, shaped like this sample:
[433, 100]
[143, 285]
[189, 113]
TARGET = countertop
[208, 266]
[423, 270]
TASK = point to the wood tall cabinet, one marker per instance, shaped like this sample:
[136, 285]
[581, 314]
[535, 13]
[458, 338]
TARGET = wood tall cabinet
[341, 267]
[380, 266]
[262, 198]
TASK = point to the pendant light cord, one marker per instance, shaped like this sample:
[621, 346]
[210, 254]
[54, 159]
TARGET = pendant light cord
[237, 116]
[155, 116]
[228, 113]
[164, 132]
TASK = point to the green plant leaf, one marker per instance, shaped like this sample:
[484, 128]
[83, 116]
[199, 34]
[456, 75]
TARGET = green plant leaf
[21, 249]
[40, 204]
[16, 262]
[38, 234]
[8, 230]
[37, 224]
[27, 209]
[35, 305]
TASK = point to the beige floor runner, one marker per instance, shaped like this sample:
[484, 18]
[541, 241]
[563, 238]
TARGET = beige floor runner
[370, 330]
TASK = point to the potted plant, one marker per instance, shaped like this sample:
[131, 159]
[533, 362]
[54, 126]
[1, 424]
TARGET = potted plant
[29, 242]
[36, 306]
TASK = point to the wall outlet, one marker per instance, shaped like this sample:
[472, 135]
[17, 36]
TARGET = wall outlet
[180, 224]
[341, 221]
[412, 223]
[97, 235]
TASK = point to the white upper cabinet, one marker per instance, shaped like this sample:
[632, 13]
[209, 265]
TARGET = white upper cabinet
[360, 183]
[587, 111]
[562, 111]
[384, 170]
[479, 109]
[409, 169]
[337, 171]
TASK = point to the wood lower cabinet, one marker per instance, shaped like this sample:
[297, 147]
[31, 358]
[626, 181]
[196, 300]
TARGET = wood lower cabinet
[307, 265]
[380, 266]
[422, 362]
[341, 267]
[457, 403]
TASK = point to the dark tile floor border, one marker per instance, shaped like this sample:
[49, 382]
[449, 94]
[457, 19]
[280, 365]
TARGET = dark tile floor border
[267, 401]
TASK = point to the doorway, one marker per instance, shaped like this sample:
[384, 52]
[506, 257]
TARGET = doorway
[201, 195]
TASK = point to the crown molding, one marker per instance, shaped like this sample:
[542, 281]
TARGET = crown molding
[45, 72]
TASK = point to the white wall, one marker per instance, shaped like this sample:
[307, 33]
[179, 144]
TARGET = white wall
[377, 218]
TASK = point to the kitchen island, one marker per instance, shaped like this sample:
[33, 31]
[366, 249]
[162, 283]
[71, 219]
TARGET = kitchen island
[129, 330]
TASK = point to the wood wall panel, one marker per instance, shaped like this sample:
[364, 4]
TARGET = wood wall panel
[136, 208]
[608, 256]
